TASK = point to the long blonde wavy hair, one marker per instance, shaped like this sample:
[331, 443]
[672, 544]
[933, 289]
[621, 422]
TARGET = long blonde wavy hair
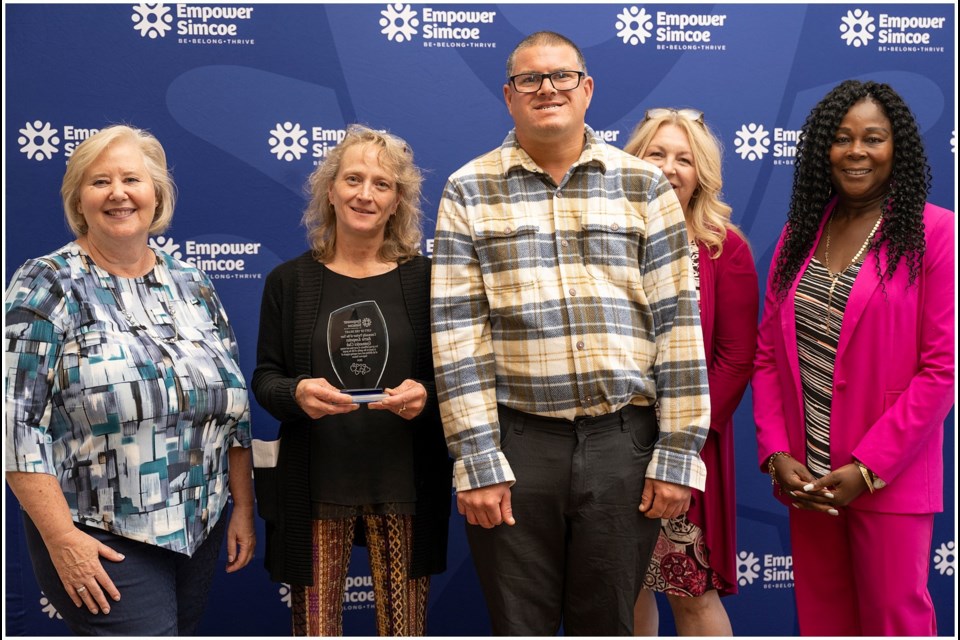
[708, 216]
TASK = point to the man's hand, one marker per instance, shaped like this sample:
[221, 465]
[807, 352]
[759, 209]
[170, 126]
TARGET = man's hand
[664, 499]
[486, 506]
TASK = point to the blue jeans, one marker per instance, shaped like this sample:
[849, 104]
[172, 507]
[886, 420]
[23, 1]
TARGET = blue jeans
[162, 593]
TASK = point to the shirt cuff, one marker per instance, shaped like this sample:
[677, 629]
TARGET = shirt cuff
[683, 469]
[481, 470]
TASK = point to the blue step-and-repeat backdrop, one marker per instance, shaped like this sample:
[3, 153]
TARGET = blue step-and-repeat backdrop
[248, 99]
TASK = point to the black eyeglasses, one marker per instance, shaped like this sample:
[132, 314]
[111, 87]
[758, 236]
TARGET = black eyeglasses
[693, 115]
[561, 81]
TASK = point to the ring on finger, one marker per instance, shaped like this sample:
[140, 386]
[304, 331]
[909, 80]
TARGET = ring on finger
[81, 589]
[403, 408]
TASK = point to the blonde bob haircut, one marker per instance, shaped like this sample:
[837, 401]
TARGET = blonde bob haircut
[708, 216]
[90, 149]
[401, 238]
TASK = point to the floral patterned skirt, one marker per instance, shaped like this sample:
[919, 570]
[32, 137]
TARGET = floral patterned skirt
[679, 566]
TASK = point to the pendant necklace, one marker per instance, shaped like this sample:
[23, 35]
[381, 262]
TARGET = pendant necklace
[835, 277]
[106, 280]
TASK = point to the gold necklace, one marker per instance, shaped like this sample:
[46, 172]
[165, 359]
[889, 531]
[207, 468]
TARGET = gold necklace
[835, 277]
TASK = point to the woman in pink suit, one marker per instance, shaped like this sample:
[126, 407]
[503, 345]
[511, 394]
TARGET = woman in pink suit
[855, 366]
[694, 559]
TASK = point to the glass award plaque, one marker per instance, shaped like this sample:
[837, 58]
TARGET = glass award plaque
[358, 345]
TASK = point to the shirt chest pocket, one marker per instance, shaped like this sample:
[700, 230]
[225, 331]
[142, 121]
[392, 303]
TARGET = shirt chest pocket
[509, 252]
[611, 247]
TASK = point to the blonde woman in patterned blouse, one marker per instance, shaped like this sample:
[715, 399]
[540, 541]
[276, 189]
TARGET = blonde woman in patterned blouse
[126, 410]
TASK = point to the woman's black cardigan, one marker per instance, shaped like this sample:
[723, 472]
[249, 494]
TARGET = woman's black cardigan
[288, 315]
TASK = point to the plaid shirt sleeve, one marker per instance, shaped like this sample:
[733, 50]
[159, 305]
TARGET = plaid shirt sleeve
[680, 367]
[463, 349]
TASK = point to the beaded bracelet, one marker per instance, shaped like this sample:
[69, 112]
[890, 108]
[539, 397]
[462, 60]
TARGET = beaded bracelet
[771, 470]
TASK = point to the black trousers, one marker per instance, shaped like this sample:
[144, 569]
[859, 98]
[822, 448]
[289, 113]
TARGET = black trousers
[580, 546]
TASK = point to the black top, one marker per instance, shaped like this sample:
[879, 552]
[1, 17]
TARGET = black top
[288, 317]
[364, 457]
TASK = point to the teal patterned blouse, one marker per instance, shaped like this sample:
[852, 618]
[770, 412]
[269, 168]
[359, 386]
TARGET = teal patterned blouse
[128, 390]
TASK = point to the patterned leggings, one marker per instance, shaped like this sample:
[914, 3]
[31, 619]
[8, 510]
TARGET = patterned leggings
[401, 602]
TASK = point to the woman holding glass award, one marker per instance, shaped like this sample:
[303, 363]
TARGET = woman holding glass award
[344, 362]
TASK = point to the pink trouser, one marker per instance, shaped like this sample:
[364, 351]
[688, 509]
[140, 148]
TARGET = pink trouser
[862, 573]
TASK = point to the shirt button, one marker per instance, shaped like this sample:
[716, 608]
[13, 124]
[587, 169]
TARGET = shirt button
[564, 243]
[573, 292]
[614, 226]
[558, 193]
[507, 230]
[580, 345]
[588, 400]
[841, 385]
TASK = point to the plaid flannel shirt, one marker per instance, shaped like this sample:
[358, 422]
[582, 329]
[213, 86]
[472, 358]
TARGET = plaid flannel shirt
[564, 301]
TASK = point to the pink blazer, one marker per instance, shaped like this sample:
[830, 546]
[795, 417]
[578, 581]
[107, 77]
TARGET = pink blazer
[729, 300]
[893, 381]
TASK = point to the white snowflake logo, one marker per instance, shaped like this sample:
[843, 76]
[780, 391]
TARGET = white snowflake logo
[151, 20]
[366, 322]
[945, 558]
[857, 27]
[634, 26]
[752, 141]
[748, 568]
[405, 29]
[38, 140]
[167, 245]
[285, 594]
[47, 607]
[288, 141]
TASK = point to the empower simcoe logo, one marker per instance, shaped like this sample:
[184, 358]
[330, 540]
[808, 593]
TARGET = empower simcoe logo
[223, 258]
[771, 571]
[194, 24]
[289, 141]
[399, 22]
[38, 140]
[945, 558]
[151, 20]
[857, 28]
[748, 568]
[41, 140]
[634, 25]
[670, 30]
[894, 33]
[458, 28]
[753, 142]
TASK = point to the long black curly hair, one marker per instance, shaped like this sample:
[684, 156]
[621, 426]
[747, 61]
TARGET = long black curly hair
[902, 227]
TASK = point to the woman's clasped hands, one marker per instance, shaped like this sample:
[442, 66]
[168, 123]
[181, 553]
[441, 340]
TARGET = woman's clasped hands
[836, 489]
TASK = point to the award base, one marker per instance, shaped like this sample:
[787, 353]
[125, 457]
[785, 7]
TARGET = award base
[362, 396]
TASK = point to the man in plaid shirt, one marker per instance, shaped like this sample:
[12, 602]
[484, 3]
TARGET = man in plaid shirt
[564, 311]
